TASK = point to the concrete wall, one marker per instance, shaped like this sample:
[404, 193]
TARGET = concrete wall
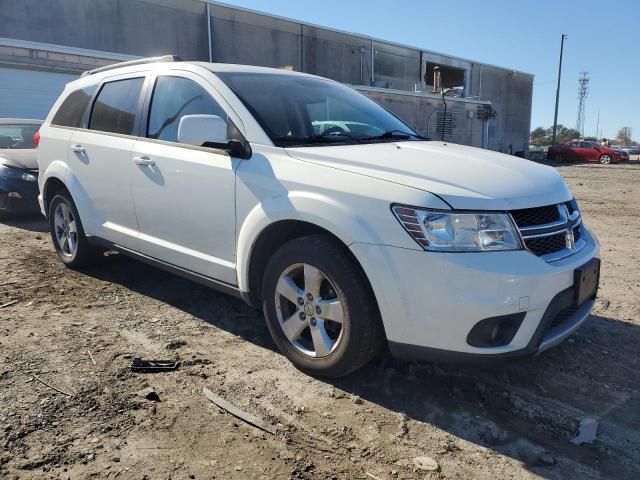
[134, 27]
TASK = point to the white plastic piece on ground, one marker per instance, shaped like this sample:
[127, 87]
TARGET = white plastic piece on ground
[586, 432]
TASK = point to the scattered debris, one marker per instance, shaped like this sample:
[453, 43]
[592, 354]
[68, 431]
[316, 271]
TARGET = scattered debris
[547, 460]
[426, 463]
[175, 344]
[371, 475]
[149, 393]
[8, 304]
[151, 366]
[605, 304]
[51, 386]
[91, 357]
[586, 431]
[236, 412]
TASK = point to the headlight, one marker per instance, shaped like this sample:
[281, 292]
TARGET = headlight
[459, 232]
[17, 173]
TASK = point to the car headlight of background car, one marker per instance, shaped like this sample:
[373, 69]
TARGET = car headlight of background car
[16, 173]
[441, 231]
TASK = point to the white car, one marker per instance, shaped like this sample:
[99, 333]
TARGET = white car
[349, 241]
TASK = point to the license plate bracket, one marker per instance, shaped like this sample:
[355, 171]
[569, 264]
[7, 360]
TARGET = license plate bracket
[586, 280]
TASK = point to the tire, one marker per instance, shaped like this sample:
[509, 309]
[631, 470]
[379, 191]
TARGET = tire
[319, 345]
[605, 159]
[559, 158]
[64, 222]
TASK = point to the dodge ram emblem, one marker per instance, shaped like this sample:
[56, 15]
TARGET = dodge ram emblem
[570, 240]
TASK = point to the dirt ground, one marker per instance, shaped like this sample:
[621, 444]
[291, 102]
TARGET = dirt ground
[514, 421]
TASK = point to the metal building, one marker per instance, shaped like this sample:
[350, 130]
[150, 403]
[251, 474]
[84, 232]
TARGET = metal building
[43, 45]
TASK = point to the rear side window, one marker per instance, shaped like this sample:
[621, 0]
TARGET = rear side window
[72, 109]
[116, 106]
[173, 98]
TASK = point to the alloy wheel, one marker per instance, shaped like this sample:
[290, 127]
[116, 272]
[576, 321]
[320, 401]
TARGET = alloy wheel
[66, 230]
[309, 310]
[605, 159]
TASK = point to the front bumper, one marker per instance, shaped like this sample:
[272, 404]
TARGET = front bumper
[18, 196]
[429, 301]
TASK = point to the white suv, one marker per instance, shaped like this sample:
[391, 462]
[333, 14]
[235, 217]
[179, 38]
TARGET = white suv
[298, 194]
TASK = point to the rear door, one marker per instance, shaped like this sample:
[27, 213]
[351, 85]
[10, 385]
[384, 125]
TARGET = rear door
[185, 195]
[572, 151]
[101, 159]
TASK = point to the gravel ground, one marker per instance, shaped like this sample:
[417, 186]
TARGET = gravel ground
[78, 331]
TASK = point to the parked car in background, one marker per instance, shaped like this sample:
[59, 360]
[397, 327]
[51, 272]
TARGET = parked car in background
[18, 166]
[583, 151]
[348, 240]
[631, 150]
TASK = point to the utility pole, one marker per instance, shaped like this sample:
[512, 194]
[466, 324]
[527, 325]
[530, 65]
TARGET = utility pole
[555, 117]
[598, 126]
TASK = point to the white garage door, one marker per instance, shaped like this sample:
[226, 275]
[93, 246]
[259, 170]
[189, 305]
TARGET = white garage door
[29, 93]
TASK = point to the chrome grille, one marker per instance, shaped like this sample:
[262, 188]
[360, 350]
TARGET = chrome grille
[552, 231]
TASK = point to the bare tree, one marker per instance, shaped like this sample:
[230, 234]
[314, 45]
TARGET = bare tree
[624, 136]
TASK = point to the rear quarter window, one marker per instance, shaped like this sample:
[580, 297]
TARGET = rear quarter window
[72, 109]
[116, 107]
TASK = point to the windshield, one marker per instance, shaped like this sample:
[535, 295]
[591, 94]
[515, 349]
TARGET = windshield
[18, 136]
[298, 111]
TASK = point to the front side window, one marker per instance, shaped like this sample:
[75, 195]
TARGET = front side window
[297, 111]
[173, 98]
[18, 136]
[72, 109]
[115, 110]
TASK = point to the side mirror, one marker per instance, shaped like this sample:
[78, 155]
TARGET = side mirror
[210, 131]
[200, 129]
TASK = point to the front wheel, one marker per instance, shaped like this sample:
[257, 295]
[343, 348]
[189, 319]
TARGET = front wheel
[319, 307]
[605, 159]
[67, 233]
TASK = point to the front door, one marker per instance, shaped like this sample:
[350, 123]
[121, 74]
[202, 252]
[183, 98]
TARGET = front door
[184, 196]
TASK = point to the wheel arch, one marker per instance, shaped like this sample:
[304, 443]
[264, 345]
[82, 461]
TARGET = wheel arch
[274, 236]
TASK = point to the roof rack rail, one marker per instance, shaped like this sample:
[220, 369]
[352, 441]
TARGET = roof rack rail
[140, 61]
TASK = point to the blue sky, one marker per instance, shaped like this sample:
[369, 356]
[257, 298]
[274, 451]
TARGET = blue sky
[604, 40]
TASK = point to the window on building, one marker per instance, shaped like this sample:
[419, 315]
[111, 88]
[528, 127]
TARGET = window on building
[451, 79]
[173, 98]
[116, 107]
[72, 109]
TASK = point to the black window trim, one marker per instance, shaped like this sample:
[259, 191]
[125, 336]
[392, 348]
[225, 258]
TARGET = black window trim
[150, 86]
[141, 97]
[87, 108]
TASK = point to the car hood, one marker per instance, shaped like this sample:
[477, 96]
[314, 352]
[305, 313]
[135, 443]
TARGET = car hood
[465, 177]
[24, 158]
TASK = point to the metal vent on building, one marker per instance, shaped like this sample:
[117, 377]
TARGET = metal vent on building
[446, 122]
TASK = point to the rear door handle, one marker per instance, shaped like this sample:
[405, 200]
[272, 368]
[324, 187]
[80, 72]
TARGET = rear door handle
[78, 149]
[144, 161]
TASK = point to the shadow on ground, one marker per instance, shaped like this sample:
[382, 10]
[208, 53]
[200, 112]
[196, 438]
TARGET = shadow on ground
[30, 222]
[528, 409]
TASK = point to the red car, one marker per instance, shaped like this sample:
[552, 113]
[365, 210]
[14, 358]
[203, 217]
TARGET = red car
[579, 150]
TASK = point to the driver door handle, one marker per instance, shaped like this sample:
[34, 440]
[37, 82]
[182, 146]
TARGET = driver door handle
[144, 161]
[77, 149]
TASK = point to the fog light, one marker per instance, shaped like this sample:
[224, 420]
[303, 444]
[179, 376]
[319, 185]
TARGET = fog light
[14, 195]
[495, 331]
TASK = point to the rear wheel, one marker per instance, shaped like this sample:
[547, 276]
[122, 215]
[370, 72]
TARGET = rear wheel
[320, 309]
[67, 233]
[559, 158]
[605, 159]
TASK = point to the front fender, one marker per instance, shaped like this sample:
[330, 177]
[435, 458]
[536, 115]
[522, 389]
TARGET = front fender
[309, 207]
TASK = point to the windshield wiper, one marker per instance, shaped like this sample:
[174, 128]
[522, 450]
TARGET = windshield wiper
[395, 135]
[332, 137]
